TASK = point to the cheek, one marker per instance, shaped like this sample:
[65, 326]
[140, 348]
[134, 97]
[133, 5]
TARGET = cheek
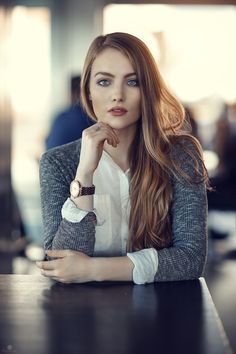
[97, 105]
[96, 102]
[99, 98]
[96, 96]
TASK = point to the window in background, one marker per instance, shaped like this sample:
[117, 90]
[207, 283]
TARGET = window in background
[194, 45]
[29, 84]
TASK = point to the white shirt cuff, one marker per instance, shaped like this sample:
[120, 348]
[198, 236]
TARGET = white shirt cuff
[145, 265]
[72, 213]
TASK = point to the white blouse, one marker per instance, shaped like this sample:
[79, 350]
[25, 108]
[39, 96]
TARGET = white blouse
[112, 208]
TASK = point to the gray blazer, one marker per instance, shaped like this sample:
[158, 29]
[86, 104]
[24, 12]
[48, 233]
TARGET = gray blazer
[185, 259]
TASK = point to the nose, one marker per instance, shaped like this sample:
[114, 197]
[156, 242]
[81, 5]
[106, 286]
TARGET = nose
[118, 94]
[115, 99]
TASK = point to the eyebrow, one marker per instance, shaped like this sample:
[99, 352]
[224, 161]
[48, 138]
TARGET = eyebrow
[111, 75]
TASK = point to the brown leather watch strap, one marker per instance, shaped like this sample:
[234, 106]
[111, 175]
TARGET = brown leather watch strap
[88, 190]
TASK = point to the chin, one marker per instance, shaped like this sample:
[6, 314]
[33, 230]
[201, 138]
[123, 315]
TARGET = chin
[120, 126]
[119, 123]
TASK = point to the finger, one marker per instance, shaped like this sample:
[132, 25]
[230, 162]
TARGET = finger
[104, 135]
[112, 132]
[99, 134]
[89, 129]
[48, 265]
[111, 141]
[101, 126]
[104, 126]
[109, 134]
[102, 132]
[94, 128]
[49, 274]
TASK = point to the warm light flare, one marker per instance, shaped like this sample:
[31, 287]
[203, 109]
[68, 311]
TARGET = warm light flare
[194, 46]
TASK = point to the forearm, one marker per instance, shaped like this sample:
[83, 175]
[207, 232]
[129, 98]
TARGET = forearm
[112, 268]
[78, 236]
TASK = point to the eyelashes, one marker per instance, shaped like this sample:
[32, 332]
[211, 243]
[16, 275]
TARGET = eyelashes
[133, 82]
[105, 82]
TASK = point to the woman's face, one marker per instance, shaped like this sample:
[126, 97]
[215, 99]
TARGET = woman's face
[114, 90]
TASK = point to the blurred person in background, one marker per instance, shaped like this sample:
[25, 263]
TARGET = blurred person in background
[68, 125]
[224, 179]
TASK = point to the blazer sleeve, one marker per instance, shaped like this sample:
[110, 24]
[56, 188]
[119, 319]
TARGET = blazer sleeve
[59, 233]
[186, 258]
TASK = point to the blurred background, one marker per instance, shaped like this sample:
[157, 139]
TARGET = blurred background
[43, 45]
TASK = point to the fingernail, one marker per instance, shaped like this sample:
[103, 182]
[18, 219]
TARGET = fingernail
[39, 264]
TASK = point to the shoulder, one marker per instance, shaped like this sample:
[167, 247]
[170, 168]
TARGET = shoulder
[183, 147]
[187, 159]
[62, 156]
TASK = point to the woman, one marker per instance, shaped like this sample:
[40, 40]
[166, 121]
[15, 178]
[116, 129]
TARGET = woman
[127, 201]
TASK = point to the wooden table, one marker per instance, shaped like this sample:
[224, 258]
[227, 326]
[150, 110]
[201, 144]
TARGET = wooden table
[38, 316]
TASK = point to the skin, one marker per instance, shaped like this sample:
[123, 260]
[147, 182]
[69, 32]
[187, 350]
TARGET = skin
[113, 83]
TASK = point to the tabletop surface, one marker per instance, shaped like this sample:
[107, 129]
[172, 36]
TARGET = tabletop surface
[39, 316]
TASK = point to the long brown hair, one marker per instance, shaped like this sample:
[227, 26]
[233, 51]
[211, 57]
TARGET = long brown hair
[158, 132]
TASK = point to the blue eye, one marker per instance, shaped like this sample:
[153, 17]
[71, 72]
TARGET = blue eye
[133, 82]
[103, 82]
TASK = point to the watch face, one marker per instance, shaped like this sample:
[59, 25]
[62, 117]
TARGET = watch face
[75, 189]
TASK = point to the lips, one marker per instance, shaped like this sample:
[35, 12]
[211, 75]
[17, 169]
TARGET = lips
[117, 111]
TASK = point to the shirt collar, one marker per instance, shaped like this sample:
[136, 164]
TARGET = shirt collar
[109, 159]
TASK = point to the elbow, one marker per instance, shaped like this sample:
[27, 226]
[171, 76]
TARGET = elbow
[200, 268]
[181, 263]
[194, 260]
[197, 273]
[195, 269]
[192, 264]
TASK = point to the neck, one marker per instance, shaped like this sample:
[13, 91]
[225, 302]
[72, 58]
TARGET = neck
[120, 154]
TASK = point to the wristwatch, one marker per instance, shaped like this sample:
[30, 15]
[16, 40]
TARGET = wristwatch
[77, 190]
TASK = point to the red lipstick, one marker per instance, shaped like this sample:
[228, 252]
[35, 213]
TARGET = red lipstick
[117, 111]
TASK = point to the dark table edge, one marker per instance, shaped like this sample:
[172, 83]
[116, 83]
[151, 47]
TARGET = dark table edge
[225, 340]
